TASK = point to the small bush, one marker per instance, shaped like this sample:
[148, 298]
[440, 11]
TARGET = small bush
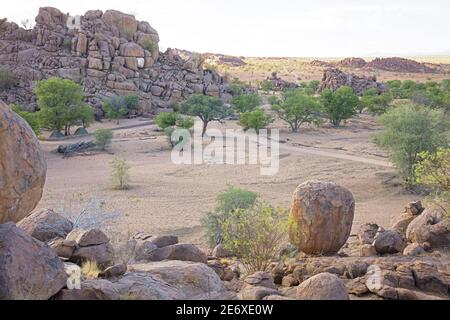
[90, 269]
[231, 199]
[166, 119]
[7, 79]
[149, 45]
[115, 107]
[120, 173]
[255, 235]
[132, 102]
[256, 120]
[67, 44]
[103, 138]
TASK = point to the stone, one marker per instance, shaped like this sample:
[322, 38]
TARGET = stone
[131, 49]
[324, 286]
[432, 226]
[95, 64]
[389, 241]
[357, 286]
[196, 281]
[413, 249]
[428, 278]
[220, 252]
[125, 24]
[257, 293]
[259, 279]
[163, 241]
[181, 251]
[93, 289]
[367, 250]
[63, 248]
[86, 238]
[81, 47]
[29, 269]
[22, 167]
[289, 281]
[46, 225]
[334, 78]
[143, 249]
[322, 216]
[114, 271]
[367, 233]
[276, 297]
[103, 254]
[401, 223]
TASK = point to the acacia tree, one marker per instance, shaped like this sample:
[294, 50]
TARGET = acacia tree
[295, 108]
[410, 130]
[206, 108]
[61, 104]
[339, 105]
[246, 102]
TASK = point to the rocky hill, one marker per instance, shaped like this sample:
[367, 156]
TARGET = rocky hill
[109, 53]
[399, 65]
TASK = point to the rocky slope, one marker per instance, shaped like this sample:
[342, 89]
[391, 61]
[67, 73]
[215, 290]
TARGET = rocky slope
[334, 78]
[109, 53]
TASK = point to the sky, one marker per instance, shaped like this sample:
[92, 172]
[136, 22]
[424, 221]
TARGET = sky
[278, 28]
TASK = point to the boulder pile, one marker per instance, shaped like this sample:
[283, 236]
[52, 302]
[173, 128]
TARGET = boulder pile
[334, 78]
[396, 64]
[109, 53]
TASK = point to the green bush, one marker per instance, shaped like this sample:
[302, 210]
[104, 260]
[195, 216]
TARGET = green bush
[120, 173]
[7, 79]
[433, 171]
[255, 235]
[132, 102]
[245, 102]
[32, 118]
[256, 120]
[339, 105]
[149, 45]
[103, 138]
[166, 119]
[231, 199]
[409, 130]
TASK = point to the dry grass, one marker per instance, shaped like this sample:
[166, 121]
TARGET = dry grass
[90, 269]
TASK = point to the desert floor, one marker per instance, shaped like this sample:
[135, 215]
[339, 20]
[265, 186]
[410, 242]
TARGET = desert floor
[166, 198]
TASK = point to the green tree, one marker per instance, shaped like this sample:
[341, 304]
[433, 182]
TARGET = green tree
[433, 171]
[32, 118]
[339, 105]
[246, 102]
[103, 138]
[206, 108]
[115, 108]
[231, 199]
[61, 104]
[255, 119]
[296, 108]
[166, 119]
[409, 130]
[267, 86]
[132, 102]
[374, 102]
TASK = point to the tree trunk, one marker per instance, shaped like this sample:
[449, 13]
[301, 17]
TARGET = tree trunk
[205, 124]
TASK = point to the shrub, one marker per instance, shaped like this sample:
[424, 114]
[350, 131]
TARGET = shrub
[246, 102]
[149, 45]
[339, 105]
[408, 131]
[61, 104]
[120, 173]
[295, 108]
[166, 119]
[132, 102]
[32, 118]
[255, 235]
[90, 269]
[267, 86]
[433, 171]
[115, 108]
[256, 120]
[103, 138]
[231, 199]
[67, 44]
[7, 79]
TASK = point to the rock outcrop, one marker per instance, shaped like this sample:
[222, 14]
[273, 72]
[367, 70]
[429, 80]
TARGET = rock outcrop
[432, 226]
[22, 167]
[28, 268]
[396, 64]
[323, 286]
[352, 63]
[321, 217]
[109, 53]
[334, 78]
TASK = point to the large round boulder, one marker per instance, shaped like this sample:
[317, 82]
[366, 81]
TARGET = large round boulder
[323, 286]
[432, 226]
[321, 217]
[22, 167]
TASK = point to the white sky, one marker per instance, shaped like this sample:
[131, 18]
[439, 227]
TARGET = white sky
[319, 28]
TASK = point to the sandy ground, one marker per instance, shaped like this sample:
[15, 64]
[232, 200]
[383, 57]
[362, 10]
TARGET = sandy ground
[166, 198]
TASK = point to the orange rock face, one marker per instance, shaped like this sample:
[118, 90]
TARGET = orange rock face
[321, 217]
[22, 167]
